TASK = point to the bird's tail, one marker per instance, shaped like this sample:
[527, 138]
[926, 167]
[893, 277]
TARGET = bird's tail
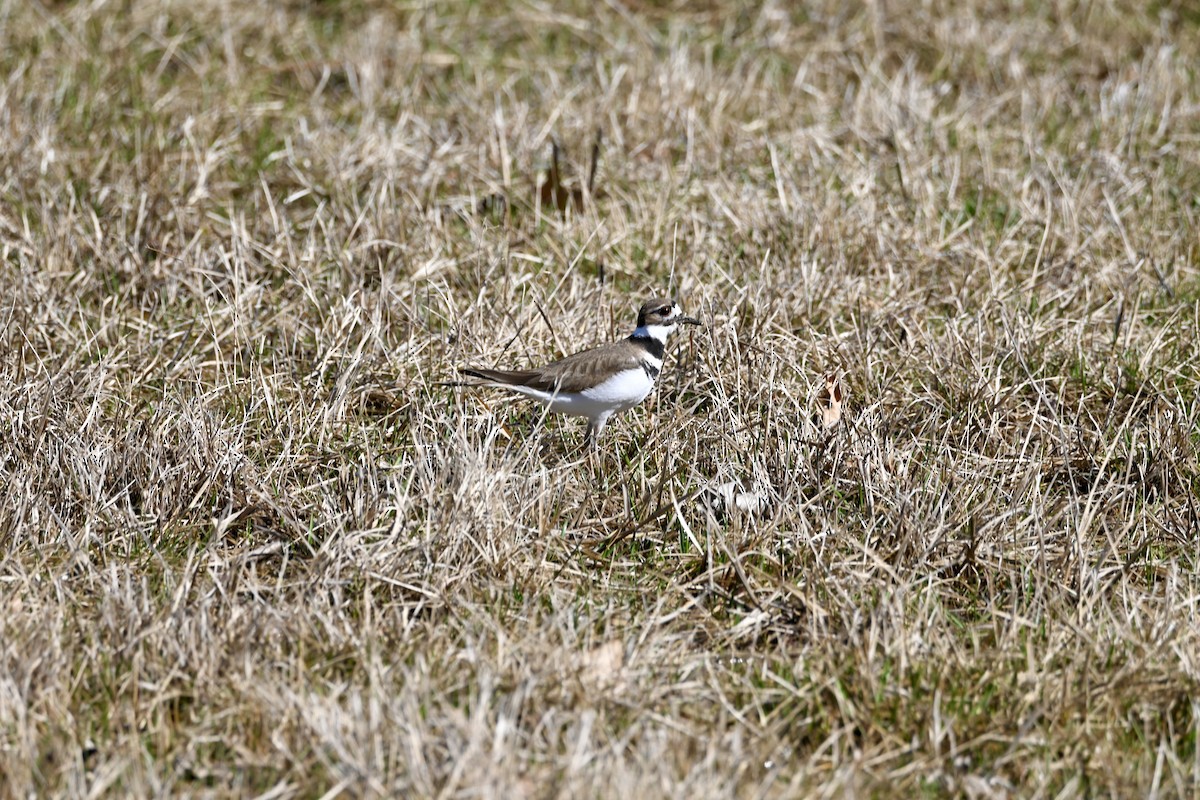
[510, 378]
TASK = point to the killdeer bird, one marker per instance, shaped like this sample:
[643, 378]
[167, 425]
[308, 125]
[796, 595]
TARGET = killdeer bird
[598, 383]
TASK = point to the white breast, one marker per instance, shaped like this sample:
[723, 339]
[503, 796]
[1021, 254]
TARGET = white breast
[623, 390]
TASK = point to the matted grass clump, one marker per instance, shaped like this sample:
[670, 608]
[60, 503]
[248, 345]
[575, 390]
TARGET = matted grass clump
[915, 513]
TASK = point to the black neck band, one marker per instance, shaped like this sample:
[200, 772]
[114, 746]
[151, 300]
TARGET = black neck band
[651, 345]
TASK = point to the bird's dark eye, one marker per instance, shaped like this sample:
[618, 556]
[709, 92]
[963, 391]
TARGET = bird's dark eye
[665, 311]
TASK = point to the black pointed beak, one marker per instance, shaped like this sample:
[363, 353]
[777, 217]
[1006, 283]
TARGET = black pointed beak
[689, 321]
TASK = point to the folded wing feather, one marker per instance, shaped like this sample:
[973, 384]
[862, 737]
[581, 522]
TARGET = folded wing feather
[571, 374]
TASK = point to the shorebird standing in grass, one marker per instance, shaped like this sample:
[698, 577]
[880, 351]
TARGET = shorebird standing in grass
[598, 383]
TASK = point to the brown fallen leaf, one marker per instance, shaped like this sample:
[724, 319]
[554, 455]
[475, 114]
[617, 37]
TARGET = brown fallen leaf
[830, 401]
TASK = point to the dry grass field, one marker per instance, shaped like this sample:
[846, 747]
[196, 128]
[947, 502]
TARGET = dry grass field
[253, 544]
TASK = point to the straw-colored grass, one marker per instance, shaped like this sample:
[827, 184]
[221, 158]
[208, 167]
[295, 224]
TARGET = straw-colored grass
[252, 543]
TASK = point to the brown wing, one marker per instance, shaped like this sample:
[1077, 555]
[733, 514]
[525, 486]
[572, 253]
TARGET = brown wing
[510, 377]
[571, 374]
[582, 370]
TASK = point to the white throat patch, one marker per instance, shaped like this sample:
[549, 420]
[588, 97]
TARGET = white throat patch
[657, 332]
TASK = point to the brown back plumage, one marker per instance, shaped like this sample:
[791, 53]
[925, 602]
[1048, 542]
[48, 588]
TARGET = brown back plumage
[571, 374]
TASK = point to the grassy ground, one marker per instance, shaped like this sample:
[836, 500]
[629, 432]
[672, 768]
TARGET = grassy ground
[250, 543]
